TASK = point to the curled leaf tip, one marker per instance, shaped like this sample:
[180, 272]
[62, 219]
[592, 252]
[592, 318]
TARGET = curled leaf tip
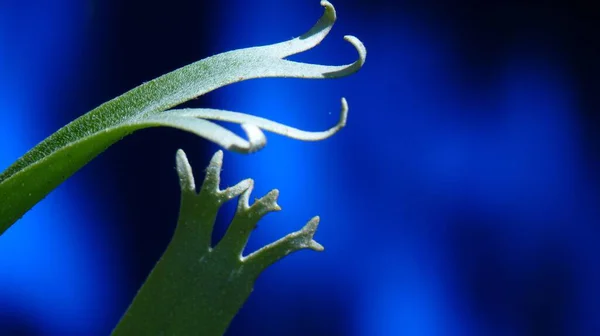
[349, 69]
[256, 138]
[77, 143]
[360, 47]
[254, 125]
[308, 40]
[329, 10]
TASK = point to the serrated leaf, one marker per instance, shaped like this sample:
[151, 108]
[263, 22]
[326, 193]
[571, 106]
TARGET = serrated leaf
[195, 289]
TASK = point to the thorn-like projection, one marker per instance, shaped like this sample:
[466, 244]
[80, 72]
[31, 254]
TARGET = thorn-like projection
[199, 211]
[184, 170]
[210, 187]
[246, 219]
[213, 173]
[195, 289]
[270, 254]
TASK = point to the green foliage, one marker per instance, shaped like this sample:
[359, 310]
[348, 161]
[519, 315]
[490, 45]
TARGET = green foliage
[51, 162]
[194, 289]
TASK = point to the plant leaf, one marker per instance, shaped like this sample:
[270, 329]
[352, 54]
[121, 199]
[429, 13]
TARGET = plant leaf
[51, 162]
[195, 289]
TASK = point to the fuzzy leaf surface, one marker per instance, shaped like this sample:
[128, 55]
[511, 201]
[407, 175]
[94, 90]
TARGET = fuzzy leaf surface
[195, 289]
[47, 165]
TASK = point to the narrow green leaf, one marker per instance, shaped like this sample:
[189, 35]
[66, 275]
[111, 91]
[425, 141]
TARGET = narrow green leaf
[59, 156]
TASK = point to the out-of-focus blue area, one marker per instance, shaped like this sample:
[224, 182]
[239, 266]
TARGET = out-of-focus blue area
[451, 205]
[456, 201]
[53, 280]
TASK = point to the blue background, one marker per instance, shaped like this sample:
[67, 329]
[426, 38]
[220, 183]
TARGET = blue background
[462, 198]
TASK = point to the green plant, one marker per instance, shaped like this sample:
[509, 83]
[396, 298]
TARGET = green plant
[193, 289]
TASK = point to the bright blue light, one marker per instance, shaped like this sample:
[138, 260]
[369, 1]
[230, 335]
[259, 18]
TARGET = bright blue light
[446, 157]
[53, 279]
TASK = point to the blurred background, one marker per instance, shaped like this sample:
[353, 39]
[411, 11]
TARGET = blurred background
[462, 198]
